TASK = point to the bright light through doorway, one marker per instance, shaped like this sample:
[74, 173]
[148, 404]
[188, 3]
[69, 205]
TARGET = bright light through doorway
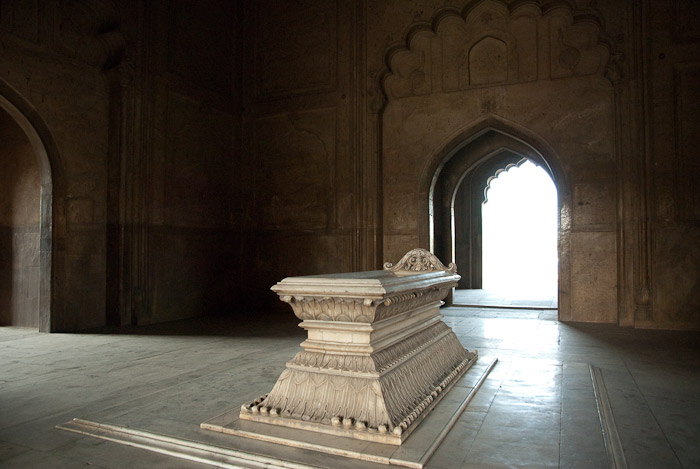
[519, 233]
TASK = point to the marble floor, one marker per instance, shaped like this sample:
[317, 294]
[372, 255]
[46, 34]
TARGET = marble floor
[499, 299]
[536, 409]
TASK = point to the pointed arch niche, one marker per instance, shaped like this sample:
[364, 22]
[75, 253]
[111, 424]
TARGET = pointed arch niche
[44, 150]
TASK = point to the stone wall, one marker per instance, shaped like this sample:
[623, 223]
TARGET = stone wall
[582, 83]
[670, 293]
[518, 72]
[133, 106]
[193, 153]
[50, 74]
[179, 186]
[302, 142]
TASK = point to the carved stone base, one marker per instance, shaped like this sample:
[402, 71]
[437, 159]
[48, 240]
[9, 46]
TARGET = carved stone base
[384, 407]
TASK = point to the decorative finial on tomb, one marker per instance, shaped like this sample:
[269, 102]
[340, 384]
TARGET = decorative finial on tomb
[419, 260]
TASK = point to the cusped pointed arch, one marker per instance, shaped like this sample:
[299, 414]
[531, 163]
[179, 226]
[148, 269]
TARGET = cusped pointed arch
[479, 140]
[460, 176]
[500, 170]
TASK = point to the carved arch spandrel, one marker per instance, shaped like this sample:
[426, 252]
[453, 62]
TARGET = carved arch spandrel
[538, 43]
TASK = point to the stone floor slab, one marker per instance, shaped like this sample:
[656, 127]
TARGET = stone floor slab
[219, 360]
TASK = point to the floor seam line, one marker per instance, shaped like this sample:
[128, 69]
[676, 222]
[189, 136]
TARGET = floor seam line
[653, 414]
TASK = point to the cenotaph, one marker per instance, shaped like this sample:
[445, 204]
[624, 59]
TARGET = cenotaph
[378, 356]
[377, 361]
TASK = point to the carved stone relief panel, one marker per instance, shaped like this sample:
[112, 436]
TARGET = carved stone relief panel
[488, 61]
[493, 45]
[295, 154]
[300, 37]
[525, 33]
[575, 47]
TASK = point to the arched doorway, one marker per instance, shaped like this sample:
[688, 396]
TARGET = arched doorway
[19, 227]
[519, 236]
[458, 186]
[32, 135]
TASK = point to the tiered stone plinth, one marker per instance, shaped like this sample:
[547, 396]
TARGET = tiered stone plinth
[377, 358]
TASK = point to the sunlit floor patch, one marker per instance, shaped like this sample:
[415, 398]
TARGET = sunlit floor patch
[507, 299]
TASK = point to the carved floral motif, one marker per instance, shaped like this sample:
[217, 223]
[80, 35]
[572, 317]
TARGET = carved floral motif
[419, 260]
[314, 308]
[393, 400]
[331, 308]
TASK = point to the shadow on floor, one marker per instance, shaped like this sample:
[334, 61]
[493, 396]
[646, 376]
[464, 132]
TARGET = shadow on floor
[277, 324]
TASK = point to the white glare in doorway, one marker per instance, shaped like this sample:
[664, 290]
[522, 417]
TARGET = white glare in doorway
[519, 233]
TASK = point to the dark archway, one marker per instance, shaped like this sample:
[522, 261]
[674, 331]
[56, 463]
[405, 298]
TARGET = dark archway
[458, 185]
[50, 177]
[19, 227]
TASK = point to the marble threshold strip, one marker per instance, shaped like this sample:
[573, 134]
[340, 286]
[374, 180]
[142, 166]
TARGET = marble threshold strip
[443, 434]
[473, 304]
[231, 458]
[611, 438]
[177, 447]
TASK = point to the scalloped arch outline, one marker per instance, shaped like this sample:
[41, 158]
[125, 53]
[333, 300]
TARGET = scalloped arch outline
[584, 21]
